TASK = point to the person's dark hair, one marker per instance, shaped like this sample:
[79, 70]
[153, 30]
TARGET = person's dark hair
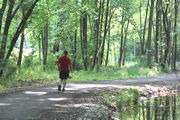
[65, 52]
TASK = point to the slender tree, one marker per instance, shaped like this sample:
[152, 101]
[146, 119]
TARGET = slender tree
[140, 29]
[84, 21]
[105, 32]
[175, 34]
[74, 50]
[122, 36]
[101, 18]
[81, 38]
[125, 39]
[83, 35]
[109, 34]
[39, 46]
[45, 44]
[167, 27]
[10, 16]
[149, 52]
[96, 34]
[21, 45]
[144, 30]
[16, 35]
[2, 13]
[158, 15]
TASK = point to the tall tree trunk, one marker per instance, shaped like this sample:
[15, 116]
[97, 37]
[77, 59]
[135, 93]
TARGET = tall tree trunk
[5, 36]
[83, 35]
[45, 45]
[2, 13]
[81, 38]
[109, 34]
[121, 45]
[85, 39]
[10, 16]
[105, 32]
[96, 34]
[175, 36]
[74, 50]
[21, 46]
[166, 24]
[140, 29]
[125, 39]
[158, 15]
[108, 46]
[149, 34]
[18, 31]
[101, 17]
[39, 44]
[21, 50]
[144, 30]
[161, 38]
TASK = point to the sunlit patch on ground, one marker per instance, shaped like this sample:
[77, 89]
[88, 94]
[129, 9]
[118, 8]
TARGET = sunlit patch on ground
[57, 99]
[4, 104]
[35, 93]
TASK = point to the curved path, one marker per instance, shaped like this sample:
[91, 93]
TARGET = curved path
[31, 103]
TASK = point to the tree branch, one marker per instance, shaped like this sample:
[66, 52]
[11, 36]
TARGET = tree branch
[2, 12]
[20, 28]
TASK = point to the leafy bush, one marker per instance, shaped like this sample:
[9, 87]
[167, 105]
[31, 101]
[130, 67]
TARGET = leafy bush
[166, 69]
[127, 98]
[28, 61]
[122, 98]
[1, 87]
[11, 69]
[142, 60]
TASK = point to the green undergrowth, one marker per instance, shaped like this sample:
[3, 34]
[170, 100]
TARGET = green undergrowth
[111, 73]
[28, 77]
[36, 75]
[121, 99]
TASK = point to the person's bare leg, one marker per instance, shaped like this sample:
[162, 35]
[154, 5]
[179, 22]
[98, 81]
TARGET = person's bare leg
[59, 87]
[64, 84]
[60, 81]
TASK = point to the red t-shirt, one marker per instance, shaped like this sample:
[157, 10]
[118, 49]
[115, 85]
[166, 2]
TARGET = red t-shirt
[63, 63]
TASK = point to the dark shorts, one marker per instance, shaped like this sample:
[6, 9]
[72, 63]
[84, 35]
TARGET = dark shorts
[63, 74]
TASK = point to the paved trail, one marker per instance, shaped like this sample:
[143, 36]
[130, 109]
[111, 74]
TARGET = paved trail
[30, 103]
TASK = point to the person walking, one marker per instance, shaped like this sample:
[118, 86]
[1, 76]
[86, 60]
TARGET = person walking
[64, 65]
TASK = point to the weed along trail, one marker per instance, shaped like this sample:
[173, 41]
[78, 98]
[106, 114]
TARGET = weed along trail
[77, 102]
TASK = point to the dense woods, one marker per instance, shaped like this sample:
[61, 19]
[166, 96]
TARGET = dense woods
[95, 32]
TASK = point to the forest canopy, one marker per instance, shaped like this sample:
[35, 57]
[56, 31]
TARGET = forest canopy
[97, 33]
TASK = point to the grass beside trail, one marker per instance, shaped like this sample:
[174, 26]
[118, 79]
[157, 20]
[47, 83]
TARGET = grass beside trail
[111, 73]
[28, 77]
